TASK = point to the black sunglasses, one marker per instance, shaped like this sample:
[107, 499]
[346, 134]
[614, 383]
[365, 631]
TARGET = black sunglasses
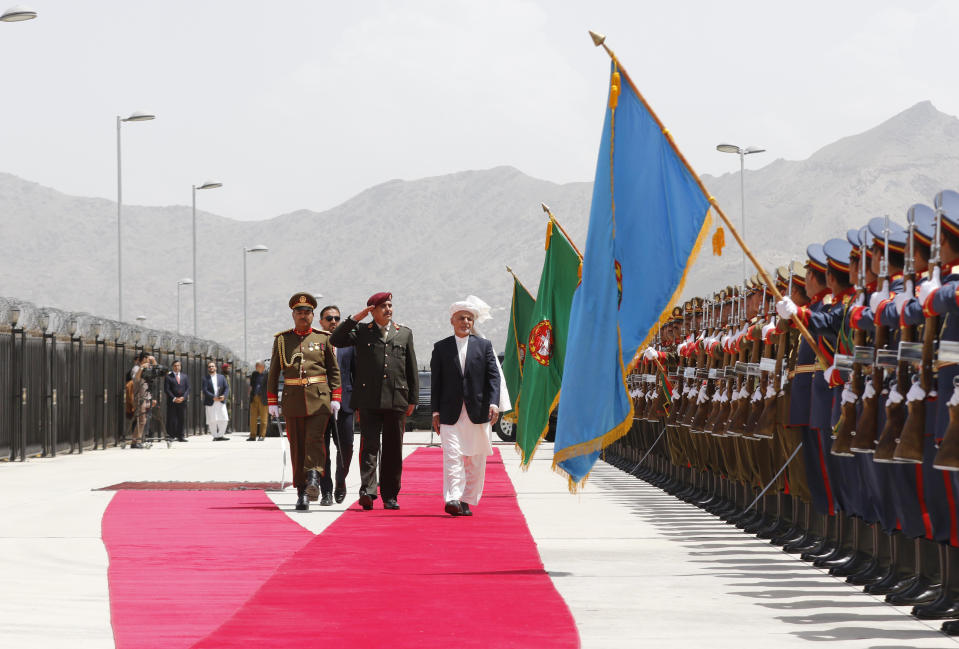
[332, 318]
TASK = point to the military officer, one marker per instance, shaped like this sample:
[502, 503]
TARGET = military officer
[311, 394]
[383, 397]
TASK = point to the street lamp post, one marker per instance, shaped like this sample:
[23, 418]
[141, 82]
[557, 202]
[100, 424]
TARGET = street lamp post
[246, 251]
[186, 281]
[743, 152]
[17, 14]
[207, 185]
[138, 116]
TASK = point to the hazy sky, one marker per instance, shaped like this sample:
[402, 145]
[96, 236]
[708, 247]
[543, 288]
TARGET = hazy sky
[304, 103]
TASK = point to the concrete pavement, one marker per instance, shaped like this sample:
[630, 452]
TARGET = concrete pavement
[636, 566]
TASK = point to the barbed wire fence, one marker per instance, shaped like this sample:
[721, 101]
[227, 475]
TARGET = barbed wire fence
[62, 377]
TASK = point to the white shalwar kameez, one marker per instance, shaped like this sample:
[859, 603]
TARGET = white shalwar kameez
[467, 445]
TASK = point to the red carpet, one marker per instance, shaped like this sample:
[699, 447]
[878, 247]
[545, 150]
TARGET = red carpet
[412, 578]
[180, 485]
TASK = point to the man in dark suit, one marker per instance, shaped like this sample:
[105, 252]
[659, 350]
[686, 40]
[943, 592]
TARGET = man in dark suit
[385, 390]
[340, 430]
[215, 391]
[465, 393]
[176, 385]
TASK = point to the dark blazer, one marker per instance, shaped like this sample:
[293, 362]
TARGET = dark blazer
[384, 372]
[344, 358]
[477, 386]
[223, 388]
[258, 384]
[174, 389]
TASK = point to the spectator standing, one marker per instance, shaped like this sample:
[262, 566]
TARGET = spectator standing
[259, 419]
[176, 385]
[215, 391]
[144, 400]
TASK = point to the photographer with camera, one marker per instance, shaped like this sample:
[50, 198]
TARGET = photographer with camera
[143, 374]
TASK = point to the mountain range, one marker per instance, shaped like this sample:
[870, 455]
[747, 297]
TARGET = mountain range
[431, 241]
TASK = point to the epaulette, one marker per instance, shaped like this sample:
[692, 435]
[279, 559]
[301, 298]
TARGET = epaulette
[282, 332]
[320, 331]
[398, 326]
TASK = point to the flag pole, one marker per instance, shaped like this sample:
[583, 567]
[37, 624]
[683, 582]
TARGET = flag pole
[562, 229]
[510, 271]
[600, 40]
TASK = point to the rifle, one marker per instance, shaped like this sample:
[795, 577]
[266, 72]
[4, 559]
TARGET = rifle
[868, 423]
[767, 420]
[846, 426]
[947, 458]
[673, 419]
[895, 403]
[749, 380]
[913, 431]
[722, 414]
[736, 399]
[703, 405]
[693, 401]
[758, 406]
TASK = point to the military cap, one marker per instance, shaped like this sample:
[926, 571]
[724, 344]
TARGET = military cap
[923, 219]
[379, 298]
[798, 272]
[852, 236]
[302, 300]
[897, 236]
[837, 253]
[948, 201]
[816, 258]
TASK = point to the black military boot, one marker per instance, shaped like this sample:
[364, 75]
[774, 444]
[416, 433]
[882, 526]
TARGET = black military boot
[326, 500]
[302, 502]
[313, 485]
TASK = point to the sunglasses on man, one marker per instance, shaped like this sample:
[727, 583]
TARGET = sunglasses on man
[332, 318]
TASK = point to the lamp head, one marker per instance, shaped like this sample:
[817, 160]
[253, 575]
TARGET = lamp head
[139, 116]
[728, 148]
[210, 184]
[17, 14]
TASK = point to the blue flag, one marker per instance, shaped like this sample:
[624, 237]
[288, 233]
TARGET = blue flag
[648, 218]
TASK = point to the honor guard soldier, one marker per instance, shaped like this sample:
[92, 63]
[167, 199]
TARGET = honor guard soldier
[311, 394]
[385, 392]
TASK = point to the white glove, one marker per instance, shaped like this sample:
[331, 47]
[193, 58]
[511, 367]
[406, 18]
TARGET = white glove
[650, 354]
[874, 301]
[927, 287]
[900, 300]
[786, 308]
[848, 396]
[335, 407]
[916, 393]
[894, 395]
[828, 373]
[767, 328]
[274, 411]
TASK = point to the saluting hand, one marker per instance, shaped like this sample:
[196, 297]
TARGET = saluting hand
[362, 314]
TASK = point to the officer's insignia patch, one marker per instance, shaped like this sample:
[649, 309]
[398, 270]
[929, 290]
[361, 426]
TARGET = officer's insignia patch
[540, 343]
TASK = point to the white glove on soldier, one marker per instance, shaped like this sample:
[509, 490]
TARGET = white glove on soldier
[900, 300]
[650, 354]
[274, 411]
[874, 301]
[927, 287]
[786, 308]
[335, 407]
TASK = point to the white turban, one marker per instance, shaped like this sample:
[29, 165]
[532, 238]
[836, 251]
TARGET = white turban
[474, 305]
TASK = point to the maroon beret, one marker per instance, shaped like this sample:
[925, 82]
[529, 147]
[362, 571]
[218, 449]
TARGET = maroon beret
[379, 298]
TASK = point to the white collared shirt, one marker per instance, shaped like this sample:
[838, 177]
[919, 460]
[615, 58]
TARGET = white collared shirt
[461, 345]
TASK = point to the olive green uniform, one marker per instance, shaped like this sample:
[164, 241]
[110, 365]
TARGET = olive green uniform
[311, 380]
[385, 383]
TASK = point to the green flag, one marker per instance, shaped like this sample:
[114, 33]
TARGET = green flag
[546, 341]
[516, 336]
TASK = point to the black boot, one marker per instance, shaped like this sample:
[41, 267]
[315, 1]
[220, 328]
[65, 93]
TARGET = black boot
[313, 485]
[302, 502]
[339, 492]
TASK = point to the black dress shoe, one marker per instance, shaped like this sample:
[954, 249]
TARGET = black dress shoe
[302, 502]
[950, 628]
[313, 485]
[261, 439]
[182, 439]
[136, 445]
[221, 439]
[251, 439]
[391, 504]
[944, 608]
[339, 495]
[453, 508]
[366, 502]
[326, 500]
[465, 509]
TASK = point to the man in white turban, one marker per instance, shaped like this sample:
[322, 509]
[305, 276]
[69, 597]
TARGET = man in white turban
[465, 391]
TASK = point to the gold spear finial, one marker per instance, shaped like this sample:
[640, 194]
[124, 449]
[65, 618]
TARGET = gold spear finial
[598, 39]
[546, 208]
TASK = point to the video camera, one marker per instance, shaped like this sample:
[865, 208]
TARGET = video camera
[153, 372]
